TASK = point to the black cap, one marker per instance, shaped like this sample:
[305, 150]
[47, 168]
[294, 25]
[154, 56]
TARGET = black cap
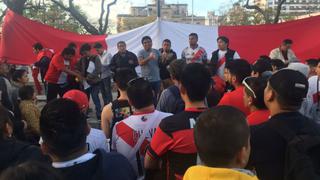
[292, 86]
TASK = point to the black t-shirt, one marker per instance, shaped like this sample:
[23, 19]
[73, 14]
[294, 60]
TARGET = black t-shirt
[268, 147]
[173, 142]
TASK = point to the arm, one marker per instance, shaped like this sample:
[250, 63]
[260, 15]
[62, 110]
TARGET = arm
[273, 54]
[142, 61]
[204, 57]
[160, 145]
[183, 56]
[113, 64]
[106, 117]
[135, 60]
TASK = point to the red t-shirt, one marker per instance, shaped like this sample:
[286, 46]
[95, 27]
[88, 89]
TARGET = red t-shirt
[235, 99]
[220, 84]
[55, 74]
[257, 117]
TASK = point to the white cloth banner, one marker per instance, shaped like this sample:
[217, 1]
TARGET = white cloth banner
[159, 30]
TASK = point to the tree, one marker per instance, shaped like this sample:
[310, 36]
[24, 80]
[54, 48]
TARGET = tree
[54, 16]
[238, 15]
[275, 14]
[90, 28]
[19, 6]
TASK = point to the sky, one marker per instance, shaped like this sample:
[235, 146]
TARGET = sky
[201, 7]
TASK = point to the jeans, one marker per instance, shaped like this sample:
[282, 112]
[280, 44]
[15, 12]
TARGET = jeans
[94, 92]
[156, 89]
[106, 90]
[55, 89]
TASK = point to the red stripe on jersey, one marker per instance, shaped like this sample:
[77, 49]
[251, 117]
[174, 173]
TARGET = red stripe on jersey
[316, 97]
[125, 133]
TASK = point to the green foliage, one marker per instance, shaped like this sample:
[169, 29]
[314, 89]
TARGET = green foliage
[54, 16]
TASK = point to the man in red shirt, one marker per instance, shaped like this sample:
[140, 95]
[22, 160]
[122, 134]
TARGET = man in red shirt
[61, 66]
[239, 70]
[173, 141]
[41, 65]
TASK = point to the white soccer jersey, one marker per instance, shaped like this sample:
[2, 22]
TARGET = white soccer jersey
[311, 106]
[131, 136]
[197, 55]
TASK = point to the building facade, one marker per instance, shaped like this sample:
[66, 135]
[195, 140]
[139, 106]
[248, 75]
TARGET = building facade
[297, 7]
[141, 15]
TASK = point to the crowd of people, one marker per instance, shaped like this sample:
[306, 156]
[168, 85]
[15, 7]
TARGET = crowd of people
[191, 118]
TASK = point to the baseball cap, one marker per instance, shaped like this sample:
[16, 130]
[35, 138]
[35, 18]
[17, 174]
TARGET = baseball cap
[292, 86]
[79, 97]
[303, 68]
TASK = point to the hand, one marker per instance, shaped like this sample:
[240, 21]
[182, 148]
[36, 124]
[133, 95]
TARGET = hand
[152, 56]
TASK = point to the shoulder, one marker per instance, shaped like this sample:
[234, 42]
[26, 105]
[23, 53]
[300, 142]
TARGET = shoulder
[174, 123]
[202, 49]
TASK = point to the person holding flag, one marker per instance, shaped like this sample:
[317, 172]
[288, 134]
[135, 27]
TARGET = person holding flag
[223, 55]
[194, 53]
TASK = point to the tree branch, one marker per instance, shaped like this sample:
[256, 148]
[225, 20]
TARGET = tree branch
[278, 13]
[101, 16]
[107, 16]
[78, 16]
[258, 9]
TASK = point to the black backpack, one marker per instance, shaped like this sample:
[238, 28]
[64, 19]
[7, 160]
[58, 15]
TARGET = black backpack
[302, 158]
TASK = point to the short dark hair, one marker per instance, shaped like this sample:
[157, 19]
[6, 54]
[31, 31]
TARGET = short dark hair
[17, 74]
[38, 46]
[194, 35]
[239, 68]
[265, 57]
[278, 64]
[257, 85]
[63, 127]
[31, 170]
[121, 42]
[145, 38]
[4, 119]
[26, 92]
[196, 79]
[140, 93]
[224, 39]
[175, 69]
[261, 66]
[220, 133]
[68, 51]
[123, 76]
[72, 45]
[97, 45]
[85, 47]
[313, 62]
[167, 41]
[287, 42]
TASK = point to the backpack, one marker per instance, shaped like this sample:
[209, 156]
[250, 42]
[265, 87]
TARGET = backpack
[302, 158]
[179, 103]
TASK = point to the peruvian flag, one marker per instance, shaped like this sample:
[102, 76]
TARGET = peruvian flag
[20, 33]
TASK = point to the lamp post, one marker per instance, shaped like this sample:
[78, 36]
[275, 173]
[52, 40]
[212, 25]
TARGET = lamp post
[192, 13]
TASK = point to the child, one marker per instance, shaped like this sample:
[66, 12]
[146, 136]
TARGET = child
[222, 140]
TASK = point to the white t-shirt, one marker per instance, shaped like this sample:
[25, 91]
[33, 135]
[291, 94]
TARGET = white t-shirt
[97, 140]
[127, 135]
[310, 106]
[222, 54]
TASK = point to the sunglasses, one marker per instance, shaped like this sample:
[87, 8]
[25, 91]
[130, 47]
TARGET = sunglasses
[245, 83]
[133, 81]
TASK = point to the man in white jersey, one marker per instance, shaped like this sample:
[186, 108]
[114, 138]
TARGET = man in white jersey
[223, 55]
[194, 53]
[131, 136]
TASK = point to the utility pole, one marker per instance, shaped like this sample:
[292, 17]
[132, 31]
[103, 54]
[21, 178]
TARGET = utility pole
[192, 13]
[159, 9]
